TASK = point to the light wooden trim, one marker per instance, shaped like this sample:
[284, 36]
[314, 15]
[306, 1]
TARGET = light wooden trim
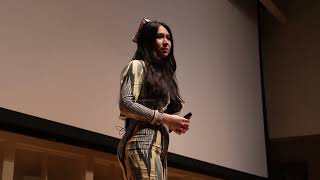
[8, 161]
[50, 151]
[274, 10]
[89, 168]
[44, 166]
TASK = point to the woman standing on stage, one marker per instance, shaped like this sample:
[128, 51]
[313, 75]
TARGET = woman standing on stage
[149, 104]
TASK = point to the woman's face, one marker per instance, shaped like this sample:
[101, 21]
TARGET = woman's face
[163, 42]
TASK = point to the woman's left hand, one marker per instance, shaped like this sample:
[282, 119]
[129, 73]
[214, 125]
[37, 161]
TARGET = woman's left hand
[176, 123]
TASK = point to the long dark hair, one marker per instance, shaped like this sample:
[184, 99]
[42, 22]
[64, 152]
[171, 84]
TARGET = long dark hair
[160, 80]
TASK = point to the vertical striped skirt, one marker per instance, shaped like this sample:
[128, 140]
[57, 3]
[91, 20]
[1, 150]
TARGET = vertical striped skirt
[144, 155]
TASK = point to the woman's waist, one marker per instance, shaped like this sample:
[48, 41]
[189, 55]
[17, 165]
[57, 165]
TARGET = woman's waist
[145, 138]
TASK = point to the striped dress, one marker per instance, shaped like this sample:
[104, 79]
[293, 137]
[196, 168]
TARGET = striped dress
[142, 151]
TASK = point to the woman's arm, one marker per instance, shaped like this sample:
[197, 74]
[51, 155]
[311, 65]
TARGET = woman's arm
[130, 89]
[131, 84]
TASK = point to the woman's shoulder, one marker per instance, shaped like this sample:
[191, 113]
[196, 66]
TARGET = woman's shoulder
[136, 63]
[135, 66]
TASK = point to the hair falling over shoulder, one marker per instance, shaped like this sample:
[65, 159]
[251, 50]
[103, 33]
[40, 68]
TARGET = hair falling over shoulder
[160, 80]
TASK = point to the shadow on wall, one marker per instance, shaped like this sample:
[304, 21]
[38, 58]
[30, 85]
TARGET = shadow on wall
[248, 8]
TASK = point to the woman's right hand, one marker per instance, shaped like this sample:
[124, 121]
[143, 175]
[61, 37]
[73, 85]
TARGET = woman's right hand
[176, 123]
